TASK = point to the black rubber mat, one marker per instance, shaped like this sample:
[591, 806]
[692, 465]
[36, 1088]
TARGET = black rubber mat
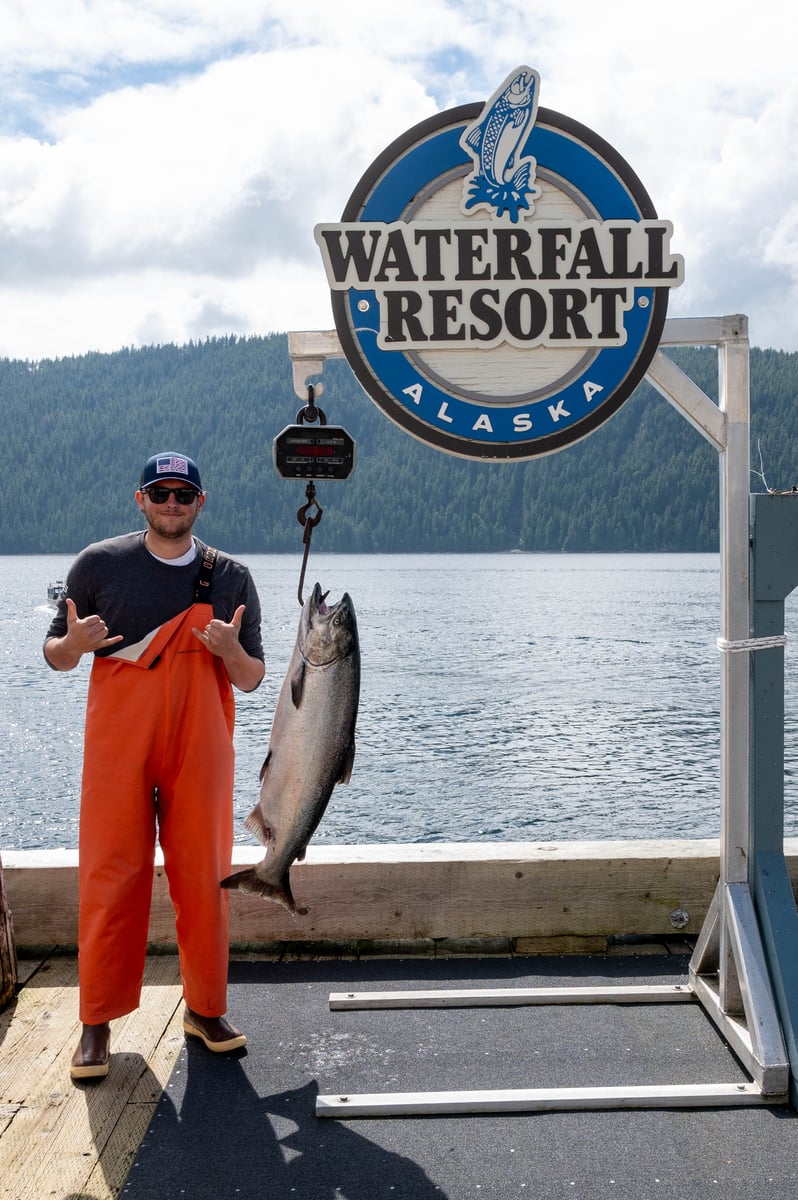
[243, 1126]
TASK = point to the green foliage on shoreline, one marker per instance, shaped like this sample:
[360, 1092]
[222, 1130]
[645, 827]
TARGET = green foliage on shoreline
[77, 431]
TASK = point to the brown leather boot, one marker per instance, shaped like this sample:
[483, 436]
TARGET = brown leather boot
[216, 1032]
[92, 1056]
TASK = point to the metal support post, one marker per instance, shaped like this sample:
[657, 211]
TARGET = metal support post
[774, 575]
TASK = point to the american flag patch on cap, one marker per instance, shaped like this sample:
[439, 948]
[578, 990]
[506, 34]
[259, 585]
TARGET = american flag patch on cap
[169, 464]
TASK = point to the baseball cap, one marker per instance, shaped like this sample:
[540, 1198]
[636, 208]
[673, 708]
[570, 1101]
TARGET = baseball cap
[170, 465]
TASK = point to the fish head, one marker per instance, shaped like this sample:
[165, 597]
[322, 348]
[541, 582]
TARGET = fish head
[327, 631]
[521, 89]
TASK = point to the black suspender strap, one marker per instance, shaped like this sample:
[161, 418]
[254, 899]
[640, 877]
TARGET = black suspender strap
[203, 589]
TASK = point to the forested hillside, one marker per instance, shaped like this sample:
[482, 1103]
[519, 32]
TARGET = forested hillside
[76, 432]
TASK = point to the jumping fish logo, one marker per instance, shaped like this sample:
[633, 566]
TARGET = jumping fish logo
[502, 180]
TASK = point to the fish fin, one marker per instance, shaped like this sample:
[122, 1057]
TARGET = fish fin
[297, 684]
[250, 882]
[256, 824]
[263, 768]
[348, 763]
[474, 137]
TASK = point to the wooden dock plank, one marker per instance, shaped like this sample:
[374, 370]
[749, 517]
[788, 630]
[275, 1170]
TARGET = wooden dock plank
[7, 1114]
[63, 1138]
[35, 1033]
[120, 1151]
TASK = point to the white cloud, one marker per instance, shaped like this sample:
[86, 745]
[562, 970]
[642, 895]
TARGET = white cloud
[163, 162]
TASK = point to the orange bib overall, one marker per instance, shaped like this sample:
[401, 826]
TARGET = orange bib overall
[158, 752]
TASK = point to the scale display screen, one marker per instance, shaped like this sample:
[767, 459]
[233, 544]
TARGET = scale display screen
[324, 452]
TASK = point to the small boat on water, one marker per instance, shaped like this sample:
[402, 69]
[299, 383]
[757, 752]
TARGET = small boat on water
[55, 591]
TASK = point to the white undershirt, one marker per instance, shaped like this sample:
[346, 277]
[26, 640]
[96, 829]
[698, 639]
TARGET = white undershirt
[183, 561]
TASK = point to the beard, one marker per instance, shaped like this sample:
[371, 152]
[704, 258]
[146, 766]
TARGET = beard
[170, 525]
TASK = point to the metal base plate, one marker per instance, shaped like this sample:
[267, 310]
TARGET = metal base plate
[510, 997]
[404, 1104]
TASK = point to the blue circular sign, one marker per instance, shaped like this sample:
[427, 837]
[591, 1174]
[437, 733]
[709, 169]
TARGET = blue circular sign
[499, 278]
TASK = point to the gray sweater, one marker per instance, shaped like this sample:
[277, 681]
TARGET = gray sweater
[134, 593]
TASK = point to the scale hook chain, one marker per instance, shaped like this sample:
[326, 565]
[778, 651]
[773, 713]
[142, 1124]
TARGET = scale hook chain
[309, 522]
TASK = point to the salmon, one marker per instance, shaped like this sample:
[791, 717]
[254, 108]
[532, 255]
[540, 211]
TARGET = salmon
[311, 747]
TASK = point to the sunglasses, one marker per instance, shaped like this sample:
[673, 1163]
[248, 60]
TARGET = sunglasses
[183, 495]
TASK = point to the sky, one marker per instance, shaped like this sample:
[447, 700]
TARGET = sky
[163, 162]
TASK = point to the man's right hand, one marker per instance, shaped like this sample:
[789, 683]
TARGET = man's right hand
[84, 635]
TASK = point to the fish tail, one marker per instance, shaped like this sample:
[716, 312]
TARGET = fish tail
[249, 881]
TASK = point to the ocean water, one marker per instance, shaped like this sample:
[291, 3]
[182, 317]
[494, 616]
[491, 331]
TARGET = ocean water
[505, 697]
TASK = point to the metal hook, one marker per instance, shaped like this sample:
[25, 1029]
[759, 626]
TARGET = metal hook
[303, 514]
[311, 412]
[309, 522]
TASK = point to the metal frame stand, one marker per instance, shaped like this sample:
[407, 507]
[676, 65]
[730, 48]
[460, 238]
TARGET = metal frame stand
[774, 553]
[752, 923]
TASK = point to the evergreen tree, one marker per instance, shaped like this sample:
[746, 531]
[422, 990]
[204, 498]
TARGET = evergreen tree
[77, 431]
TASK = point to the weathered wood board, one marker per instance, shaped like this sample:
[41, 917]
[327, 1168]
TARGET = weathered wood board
[533, 893]
[8, 954]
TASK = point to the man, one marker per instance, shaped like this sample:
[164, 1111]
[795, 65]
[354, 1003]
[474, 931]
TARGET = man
[171, 626]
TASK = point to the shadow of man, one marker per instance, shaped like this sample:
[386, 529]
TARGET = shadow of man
[213, 1136]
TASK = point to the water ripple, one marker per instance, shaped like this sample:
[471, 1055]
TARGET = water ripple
[557, 697]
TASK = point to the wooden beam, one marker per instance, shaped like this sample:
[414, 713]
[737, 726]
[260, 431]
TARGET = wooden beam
[535, 891]
[8, 954]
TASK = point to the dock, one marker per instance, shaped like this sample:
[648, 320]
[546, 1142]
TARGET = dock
[173, 1120]
[59, 1140]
